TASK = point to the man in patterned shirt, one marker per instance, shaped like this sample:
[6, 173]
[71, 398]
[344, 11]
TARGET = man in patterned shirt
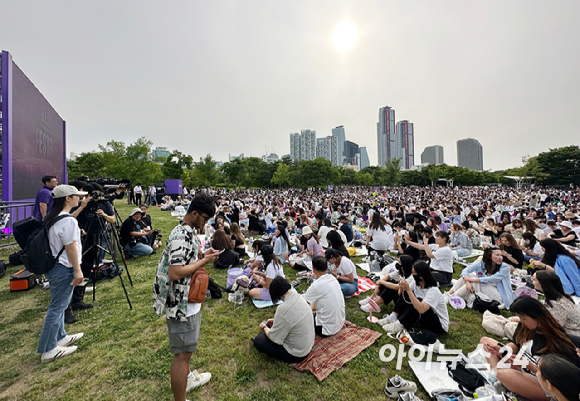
[180, 259]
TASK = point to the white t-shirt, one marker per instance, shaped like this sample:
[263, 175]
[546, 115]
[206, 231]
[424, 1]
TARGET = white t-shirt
[380, 240]
[322, 236]
[272, 271]
[433, 297]
[346, 267]
[65, 232]
[326, 295]
[443, 260]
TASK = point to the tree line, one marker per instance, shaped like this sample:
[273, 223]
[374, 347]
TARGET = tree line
[135, 162]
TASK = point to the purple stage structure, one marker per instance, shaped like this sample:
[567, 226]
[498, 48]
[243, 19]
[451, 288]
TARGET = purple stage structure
[173, 187]
[33, 140]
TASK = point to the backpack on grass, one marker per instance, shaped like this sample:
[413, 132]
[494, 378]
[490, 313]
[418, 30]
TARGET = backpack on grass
[37, 256]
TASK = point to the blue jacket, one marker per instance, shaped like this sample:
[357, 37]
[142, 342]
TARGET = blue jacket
[501, 279]
[569, 275]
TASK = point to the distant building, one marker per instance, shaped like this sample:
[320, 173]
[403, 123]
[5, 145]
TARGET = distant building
[286, 156]
[327, 148]
[386, 135]
[432, 155]
[72, 156]
[303, 145]
[364, 157]
[240, 156]
[160, 152]
[470, 154]
[340, 135]
[405, 143]
[271, 158]
[350, 152]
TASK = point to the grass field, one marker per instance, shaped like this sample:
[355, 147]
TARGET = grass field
[124, 354]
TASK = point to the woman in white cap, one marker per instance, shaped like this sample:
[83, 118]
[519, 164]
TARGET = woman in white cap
[65, 243]
[313, 247]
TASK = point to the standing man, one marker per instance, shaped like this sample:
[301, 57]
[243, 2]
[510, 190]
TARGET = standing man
[138, 194]
[153, 194]
[180, 259]
[43, 200]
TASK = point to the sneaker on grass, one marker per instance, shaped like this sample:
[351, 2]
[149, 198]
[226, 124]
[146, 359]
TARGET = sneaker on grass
[408, 397]
[70, 339]
[397, 385]
[365, 308]
[56, 353]
[195, 379]
[364, 301]
[393, 327]
[385, 320]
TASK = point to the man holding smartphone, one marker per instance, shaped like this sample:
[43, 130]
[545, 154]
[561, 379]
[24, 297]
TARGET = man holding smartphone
[180, 259]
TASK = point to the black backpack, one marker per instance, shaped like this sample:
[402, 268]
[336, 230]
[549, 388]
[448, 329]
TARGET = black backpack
[37, 257]
[214, 289]
[467, 379]
[481, 306]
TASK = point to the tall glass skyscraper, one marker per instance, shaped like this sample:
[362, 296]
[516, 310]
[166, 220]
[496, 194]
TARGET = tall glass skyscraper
[405, 143]
[386, 135]
[470, 154]
[338, 132]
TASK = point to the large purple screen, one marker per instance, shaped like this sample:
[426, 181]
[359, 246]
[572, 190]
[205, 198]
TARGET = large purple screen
[37, 138]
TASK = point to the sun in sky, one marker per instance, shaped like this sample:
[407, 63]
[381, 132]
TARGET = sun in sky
[344, 36]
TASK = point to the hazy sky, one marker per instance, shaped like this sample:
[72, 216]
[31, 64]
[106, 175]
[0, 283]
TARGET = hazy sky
[230, 77]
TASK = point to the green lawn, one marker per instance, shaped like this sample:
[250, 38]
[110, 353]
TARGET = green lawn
[124, 354]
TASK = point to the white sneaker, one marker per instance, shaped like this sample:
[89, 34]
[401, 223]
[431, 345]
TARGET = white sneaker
[446, 296]
[364, 301]
[470, 300]
[385, 320]
[56, 353]
[195, 379]
[397, 384]
[393, 327]
[366, 308]
[70, 339]
[408, 397]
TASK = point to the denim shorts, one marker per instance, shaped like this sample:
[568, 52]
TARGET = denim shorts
[184, 335]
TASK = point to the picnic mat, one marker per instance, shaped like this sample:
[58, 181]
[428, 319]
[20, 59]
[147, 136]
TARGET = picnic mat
[433, 377]
[364, 284]
[261, 304]
[364, 266]
[330, 353]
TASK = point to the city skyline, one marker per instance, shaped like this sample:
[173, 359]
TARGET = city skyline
[234, 81]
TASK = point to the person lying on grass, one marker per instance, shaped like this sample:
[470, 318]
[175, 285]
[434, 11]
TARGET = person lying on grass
[273, 269]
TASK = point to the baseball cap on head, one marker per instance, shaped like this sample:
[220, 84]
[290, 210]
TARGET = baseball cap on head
[62, 191]
[135, 211]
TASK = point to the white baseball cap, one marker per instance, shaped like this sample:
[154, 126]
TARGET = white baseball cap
[62, 191]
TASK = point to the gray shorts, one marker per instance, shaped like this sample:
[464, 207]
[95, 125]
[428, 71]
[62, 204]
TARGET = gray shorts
[183, 336]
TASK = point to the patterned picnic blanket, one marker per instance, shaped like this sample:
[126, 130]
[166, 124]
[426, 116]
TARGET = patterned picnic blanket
[331, 353]
[364, 284]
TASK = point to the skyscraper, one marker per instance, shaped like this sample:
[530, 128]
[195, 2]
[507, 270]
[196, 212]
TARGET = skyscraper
[350, 152]
[338, 132]
[327, 148]
[432, 155]
[470, 154]
[364, 157]
[303, 145]
[405, 143]
[386, 135]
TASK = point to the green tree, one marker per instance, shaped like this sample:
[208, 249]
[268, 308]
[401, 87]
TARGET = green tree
[392, 172]
[281, 177]
[91, 164]
[175, 165]
[561, 165]
[204, 173]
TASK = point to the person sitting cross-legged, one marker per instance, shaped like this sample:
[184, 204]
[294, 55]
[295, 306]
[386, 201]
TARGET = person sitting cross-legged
[325, 299]
[343, 270]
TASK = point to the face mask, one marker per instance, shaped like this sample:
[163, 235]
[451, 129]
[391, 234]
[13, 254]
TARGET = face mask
[417, 278]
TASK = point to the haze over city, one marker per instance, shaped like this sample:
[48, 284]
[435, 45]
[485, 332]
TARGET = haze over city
[240, 76]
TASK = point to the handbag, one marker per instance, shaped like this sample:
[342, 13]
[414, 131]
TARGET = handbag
[198, 286]
[467, 379]
[481, 305]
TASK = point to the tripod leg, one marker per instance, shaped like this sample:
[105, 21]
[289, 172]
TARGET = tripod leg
[125, 290]
[115, 238]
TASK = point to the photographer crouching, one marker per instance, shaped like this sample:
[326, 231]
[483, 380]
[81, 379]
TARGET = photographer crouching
[134, 236]
[93, 214]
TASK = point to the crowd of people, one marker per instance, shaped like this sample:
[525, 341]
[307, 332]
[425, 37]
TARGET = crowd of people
[533, 233]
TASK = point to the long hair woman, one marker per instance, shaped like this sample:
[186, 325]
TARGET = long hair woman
[547, 336]
[512, 254]
[531, 248]
[336, 242]
[65, 243]
[560, 304]
[559, 377]
[282, 244]
[238, 240]
[273, 270]
[380, 234]
[490, 277]
[559, 260]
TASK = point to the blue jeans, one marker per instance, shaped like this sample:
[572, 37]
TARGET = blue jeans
[61, 291]
[527, 258]
[463, 252]
[139, 249]
[349, 289]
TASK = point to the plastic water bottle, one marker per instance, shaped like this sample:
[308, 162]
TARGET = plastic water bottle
[484, 391]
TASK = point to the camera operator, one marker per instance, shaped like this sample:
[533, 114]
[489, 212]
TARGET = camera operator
[146, 223]
[134, 236]
[88, 213]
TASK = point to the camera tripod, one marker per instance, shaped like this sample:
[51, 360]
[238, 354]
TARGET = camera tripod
[112, 244]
